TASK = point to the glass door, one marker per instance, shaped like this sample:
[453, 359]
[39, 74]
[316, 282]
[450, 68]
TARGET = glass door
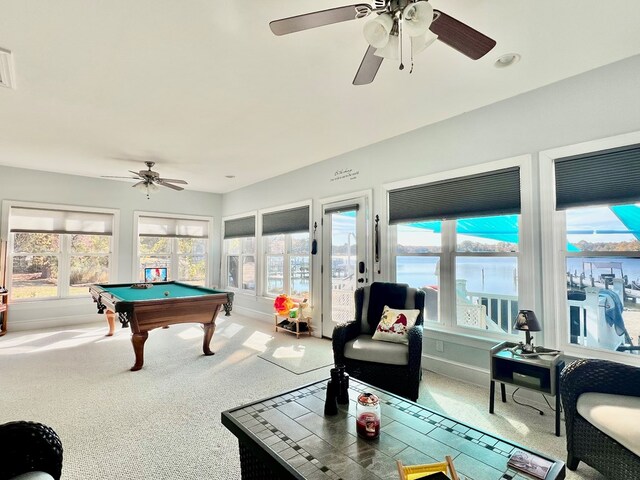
[344, 260]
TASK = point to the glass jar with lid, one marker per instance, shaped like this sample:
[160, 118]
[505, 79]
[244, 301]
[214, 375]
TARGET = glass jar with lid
[368, 416]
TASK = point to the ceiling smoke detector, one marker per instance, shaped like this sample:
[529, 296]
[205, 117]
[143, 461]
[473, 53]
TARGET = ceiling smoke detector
[6, 69]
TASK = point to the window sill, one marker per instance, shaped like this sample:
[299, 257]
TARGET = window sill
[465, 336]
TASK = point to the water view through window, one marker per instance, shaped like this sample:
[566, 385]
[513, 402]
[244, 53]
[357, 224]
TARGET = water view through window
[484, 260]
[603, 277]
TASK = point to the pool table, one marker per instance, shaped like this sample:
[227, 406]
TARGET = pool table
[162, 304]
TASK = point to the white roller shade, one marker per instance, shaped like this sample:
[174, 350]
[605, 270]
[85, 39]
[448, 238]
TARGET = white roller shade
[40, 220]
[172, 227]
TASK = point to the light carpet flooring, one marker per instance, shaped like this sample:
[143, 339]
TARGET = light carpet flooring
[163, 422]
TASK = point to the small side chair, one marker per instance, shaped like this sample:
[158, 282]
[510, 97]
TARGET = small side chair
[601, 401]
[395, 367]
[29, 450]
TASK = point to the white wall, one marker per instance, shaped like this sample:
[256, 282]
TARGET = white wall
[36, 186]
[597, 104]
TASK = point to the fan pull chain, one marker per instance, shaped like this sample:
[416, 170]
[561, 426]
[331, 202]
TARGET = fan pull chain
[411, 71]
[400, 41]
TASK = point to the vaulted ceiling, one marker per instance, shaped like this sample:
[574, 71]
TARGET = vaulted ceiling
[204, 89]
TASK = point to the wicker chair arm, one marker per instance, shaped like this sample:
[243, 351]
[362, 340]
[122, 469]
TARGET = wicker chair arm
[28, 447]
[593, 375]
[342, 333]
[604, 376]
[414, 335]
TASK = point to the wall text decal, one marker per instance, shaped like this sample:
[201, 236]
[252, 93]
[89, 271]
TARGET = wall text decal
[345, 174]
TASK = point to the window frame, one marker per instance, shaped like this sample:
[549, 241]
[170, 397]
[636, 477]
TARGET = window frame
[262, 255]
[554, 247]
[224, 270]
[64, 254]
[286, 258]
[527, 292]
[174, 255]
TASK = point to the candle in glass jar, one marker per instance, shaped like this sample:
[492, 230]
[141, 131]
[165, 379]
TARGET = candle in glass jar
[368, 416]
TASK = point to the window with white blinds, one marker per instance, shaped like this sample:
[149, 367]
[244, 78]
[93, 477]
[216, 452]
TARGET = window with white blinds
[57, 252]
[178, 243]
[44, 220]
[172, 227]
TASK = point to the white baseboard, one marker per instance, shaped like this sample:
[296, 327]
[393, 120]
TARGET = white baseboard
[459, 371]
[54, 322]
[251, 313]
[481, 377]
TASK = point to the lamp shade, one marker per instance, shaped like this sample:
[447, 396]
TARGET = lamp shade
[376, 31]
[391, 50]
[417, 18]
[527, 321]
[421, 42]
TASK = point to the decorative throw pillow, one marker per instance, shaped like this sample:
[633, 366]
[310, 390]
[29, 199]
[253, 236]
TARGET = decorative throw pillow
[394, 325]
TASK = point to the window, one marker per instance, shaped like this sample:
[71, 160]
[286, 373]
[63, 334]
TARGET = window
[417, 261]
[602, 261]
[486, 272]
[598, 236]
[458, 238]
[240, 253]
[57, 253]
[286, 247]
[483, 273]
[179, 244]
[241, 263]
[287, 263]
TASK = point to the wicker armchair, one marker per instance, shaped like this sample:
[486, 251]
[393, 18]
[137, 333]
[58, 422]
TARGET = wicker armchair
[399, 377]
[585, 442]
[29, 447]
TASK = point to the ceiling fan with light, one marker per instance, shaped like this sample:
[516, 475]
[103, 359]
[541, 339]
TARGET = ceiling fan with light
[400, 29]
[149, 180]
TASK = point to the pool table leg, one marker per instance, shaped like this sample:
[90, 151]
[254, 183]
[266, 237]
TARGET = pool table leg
[111, 321]
[209, 328]
[138, 339]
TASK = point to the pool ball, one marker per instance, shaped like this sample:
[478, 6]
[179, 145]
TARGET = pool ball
[166, 294]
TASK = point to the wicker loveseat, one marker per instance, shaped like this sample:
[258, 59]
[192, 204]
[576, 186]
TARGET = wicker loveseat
[29, 450]
[601, 401]
[391, 366]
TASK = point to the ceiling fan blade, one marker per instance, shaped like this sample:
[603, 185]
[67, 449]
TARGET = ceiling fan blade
[139, 183]
[164, 184]
[135, 173]
[115, 176]
[172, 180]
[319, 19]
[460, 36]
[368, 67]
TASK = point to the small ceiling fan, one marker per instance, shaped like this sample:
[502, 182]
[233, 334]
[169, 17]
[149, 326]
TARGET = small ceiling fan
[149, 180]
[400, 28]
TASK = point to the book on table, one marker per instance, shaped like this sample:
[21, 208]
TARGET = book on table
[529, 463]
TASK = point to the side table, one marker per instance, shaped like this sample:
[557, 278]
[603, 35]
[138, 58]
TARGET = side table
[540, 374]
[293, 321]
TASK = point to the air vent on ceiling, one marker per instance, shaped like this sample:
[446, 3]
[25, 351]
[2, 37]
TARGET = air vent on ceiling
[6, 69]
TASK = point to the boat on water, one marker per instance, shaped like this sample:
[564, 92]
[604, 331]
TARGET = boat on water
[607, 275]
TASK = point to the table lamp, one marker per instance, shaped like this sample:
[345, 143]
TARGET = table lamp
[527, 321]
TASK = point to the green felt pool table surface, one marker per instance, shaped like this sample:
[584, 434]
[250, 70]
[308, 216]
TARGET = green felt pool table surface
[176, 290]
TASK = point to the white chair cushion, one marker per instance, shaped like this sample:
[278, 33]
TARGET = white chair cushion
[33, 476]
[616, 415]
[367, 350]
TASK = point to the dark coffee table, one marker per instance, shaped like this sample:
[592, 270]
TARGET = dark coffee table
[288, 436]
